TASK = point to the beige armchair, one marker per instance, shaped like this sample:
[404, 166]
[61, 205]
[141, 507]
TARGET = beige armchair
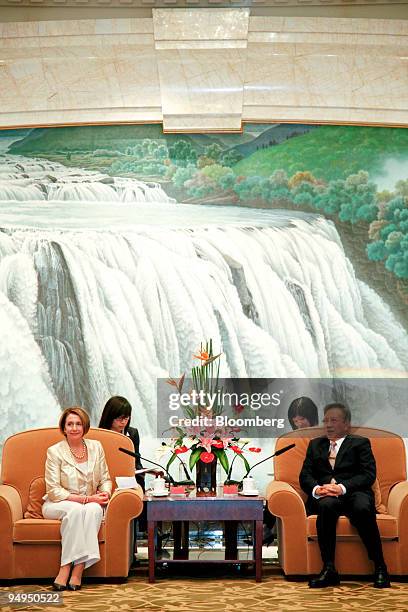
[30, 547]
[298, 548]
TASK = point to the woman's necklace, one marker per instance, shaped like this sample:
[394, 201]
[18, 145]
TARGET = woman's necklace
[81, 454]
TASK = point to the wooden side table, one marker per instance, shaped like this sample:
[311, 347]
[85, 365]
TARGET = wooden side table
[231, 509]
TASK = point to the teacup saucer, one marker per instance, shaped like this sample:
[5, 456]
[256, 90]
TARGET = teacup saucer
[249, 493]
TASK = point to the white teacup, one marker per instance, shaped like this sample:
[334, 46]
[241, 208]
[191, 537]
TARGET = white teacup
[159, 485]
[248, 485]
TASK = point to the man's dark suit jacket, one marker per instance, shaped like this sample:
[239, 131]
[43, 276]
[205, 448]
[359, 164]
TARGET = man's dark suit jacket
[354, 467]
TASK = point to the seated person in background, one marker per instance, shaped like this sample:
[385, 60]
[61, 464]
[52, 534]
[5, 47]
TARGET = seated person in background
[116, 416]
[337, 474]
[303, 413]
[78, 486]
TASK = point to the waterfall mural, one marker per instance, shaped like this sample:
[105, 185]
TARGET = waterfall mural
[121, 249]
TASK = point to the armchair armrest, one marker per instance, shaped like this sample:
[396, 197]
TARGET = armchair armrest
[398, 501]
[10, 502]
[10, 511]
[286, 503]
[398, 507]
[124, 505]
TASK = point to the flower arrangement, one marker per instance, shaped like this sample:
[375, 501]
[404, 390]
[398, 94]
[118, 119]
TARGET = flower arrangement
[207, 443]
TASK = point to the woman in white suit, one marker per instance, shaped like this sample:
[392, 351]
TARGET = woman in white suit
[78, 486]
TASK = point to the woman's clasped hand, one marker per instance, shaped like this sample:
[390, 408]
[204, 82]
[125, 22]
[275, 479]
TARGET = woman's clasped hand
[101, 498]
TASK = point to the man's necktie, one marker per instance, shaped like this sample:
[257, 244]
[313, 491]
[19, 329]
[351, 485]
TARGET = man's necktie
[332, 453]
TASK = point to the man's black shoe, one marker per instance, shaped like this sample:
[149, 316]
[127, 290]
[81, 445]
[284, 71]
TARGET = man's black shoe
[327, 577]
[381, 578]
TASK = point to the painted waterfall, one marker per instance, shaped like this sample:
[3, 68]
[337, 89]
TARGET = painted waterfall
[107, 282]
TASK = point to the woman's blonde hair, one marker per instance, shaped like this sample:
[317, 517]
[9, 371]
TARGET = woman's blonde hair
[80, 412]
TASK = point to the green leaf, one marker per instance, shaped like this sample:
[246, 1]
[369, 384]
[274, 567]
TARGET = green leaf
[194, 457]
[211, 359]
[189, 412]
[170, 461]
[247, 466]
[222, 458]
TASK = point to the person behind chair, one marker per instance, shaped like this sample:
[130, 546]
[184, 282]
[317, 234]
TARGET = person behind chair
[78, 486]
[303, 413]
[337, 474]
[116, 416]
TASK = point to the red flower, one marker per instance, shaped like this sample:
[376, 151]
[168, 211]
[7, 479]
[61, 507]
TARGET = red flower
[254, 449]
[236, 449]
[207, 457]
[238, 408]
[182, 449]
[217, 444]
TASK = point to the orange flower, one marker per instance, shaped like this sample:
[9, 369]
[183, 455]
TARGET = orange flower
[203, 356]
[177, 383]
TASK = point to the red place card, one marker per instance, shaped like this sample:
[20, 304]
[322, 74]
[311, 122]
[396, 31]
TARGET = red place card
[231, 489]
[177, 490]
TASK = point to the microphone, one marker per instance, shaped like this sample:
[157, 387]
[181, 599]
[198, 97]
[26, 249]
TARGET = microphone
[188, 480]
[229, 480]
[168, 477]
[275, 454]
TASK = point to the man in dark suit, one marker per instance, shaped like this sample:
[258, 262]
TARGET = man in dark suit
[337, 475]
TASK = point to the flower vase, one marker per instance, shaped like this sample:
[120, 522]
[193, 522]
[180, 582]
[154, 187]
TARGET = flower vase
[206, 477]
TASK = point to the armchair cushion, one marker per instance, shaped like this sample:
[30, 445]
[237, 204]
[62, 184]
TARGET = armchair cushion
[43, 530]
[36, 493]
[379, 506]
[388, 526]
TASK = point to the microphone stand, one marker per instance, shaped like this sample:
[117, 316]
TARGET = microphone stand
[229, 480]
[188, 480]
[168, 477]
[275, 454]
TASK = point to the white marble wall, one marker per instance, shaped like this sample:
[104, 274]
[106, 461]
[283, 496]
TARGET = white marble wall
[204, 69]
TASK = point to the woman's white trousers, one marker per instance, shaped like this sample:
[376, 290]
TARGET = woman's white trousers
[80, 525]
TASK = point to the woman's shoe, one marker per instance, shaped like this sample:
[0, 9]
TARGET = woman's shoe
[56, 586]
[74, 587]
